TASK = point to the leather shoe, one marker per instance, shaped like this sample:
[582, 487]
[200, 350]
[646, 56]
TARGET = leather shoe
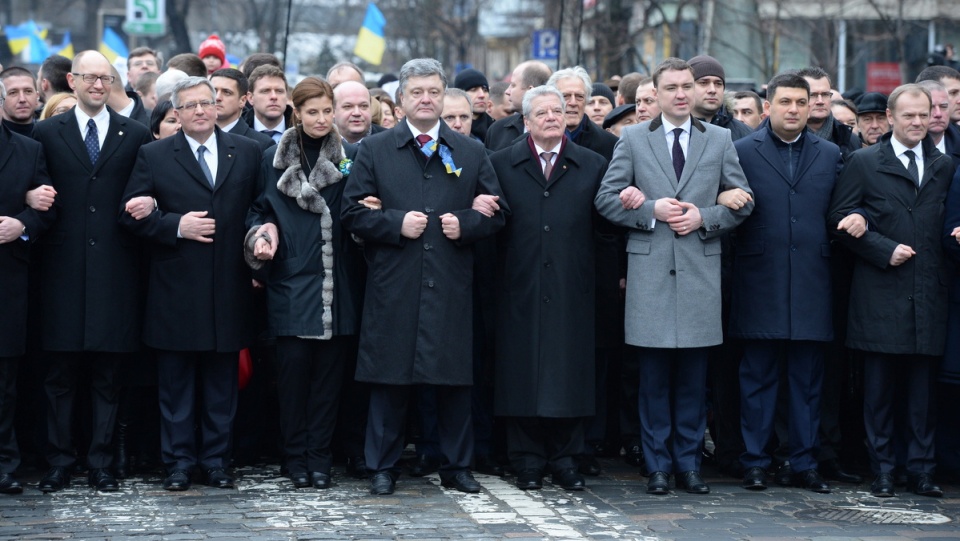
[811, 480]
[692, 482]
[217, 478]
[486, 465]
[923, 485]
[425, 465]
[658, 484]
[589, 465]
[382, 484]
[320, 480]
[882, 486]
[530, 480]
[57, 478]
[177, 480]
[103, 480]
[462, 481]
[568, 479]
[784, 475]
[755, 479]
[831, 469]
[9, 484]
[634, 455]
[357, 468]
[300, 480]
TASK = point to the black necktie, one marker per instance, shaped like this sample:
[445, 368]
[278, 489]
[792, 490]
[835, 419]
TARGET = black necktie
[92, 141]
[912, 167]
[678, 159]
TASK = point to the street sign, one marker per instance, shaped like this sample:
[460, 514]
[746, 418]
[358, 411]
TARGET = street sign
[146, 17]
[546, 44]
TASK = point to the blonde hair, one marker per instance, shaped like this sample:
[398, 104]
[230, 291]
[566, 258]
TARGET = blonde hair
[49, 109]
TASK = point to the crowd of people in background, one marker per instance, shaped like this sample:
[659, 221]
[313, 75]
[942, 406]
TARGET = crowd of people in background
[206, 266]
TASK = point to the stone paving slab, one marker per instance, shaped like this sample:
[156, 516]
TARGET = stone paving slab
[266, 507]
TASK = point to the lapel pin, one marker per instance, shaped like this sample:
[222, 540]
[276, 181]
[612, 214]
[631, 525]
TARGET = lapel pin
[119, 133]
[229, 155]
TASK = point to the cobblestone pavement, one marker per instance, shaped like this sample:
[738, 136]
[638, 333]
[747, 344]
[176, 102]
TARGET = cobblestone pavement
[265, 506]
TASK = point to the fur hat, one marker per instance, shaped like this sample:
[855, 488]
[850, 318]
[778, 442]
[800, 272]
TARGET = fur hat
[704, 66]
[213, 46]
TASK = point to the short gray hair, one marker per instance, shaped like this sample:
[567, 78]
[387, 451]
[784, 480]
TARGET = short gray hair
[457, 93]
[421, 67]
[3, 91]
[534, 93]
[570, 73]
[188, 83]
[932, 86]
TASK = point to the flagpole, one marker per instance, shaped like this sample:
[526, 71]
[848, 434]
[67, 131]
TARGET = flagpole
[286, 36]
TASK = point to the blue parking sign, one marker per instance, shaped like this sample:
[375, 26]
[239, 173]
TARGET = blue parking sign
[546, 44]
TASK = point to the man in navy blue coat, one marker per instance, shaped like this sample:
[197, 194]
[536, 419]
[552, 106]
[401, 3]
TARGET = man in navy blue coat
[781, 297]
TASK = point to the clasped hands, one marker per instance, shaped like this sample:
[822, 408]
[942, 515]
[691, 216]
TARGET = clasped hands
[415, 222]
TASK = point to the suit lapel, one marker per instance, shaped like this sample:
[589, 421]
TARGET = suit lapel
[6, 145]
[115, 133]
[657, 140]
[808, 155]
[226, 150]
[185, 157]
[768, 151]
[523, 159]
[695, 147]
[70, 132]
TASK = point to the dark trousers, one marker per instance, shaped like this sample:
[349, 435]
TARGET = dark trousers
[351, 428]
[544, 443]
[724, 377]
[629, 398]
[759, 388]
[672, 407]
[907, 381]
[309, 374]
[197, 388]
[9, 450]
[386, 426]
[603, 427]
[66, 371]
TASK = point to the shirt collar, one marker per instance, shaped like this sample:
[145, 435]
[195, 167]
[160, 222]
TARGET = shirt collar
[669, 126]
[100, 118]
[555, 150]
[899, 148]
[433, 132]
[210, 144]
[281, 127]
[231, 125]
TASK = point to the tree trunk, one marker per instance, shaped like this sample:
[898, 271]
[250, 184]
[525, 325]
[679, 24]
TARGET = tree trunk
[177, 12]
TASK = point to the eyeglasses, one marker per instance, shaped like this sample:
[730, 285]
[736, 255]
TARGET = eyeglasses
[90, 78]
[204, 104]
[822, 95]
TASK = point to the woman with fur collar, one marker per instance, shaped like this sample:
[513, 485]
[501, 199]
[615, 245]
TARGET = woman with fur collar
[314, 284]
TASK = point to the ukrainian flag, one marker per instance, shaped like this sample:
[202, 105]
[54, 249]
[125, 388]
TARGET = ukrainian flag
[371, 42]
[37, 51]
[66, 48]
[18, 37]
[113, 46]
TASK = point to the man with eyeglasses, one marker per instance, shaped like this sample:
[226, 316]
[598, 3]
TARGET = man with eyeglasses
[140, 61]
[20, 104]
[821, 121]
[204, 181]
[90, 270]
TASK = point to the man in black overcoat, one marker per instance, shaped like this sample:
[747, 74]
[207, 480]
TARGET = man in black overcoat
[90, 269]
[205, 183]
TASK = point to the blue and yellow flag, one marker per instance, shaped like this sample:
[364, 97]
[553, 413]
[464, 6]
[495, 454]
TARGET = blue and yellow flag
[371, 42]
[66, 48]
[113, 46]
[18, 37]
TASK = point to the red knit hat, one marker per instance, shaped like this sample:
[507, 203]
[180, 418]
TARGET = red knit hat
[213, 46]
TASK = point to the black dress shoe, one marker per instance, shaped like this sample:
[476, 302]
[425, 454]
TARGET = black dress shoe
[320, 480]
[486, 465]
[784, 475]
[755, 479]
[831, 469]
[634, 455]
[692, 483]
[9, 484]
[658, 484]
[177, 480]
[425, 465]
[530, 480]
[882, 486]
[300, 480]
[811, 480]
[589, 465]
[923, 485]
[103, 480]
[357, 468]
[462, 481]
[382, 484]
[568, 479]
[217, 478]
[57, 478]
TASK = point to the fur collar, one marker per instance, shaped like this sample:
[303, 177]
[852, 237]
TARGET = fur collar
[294, 183]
